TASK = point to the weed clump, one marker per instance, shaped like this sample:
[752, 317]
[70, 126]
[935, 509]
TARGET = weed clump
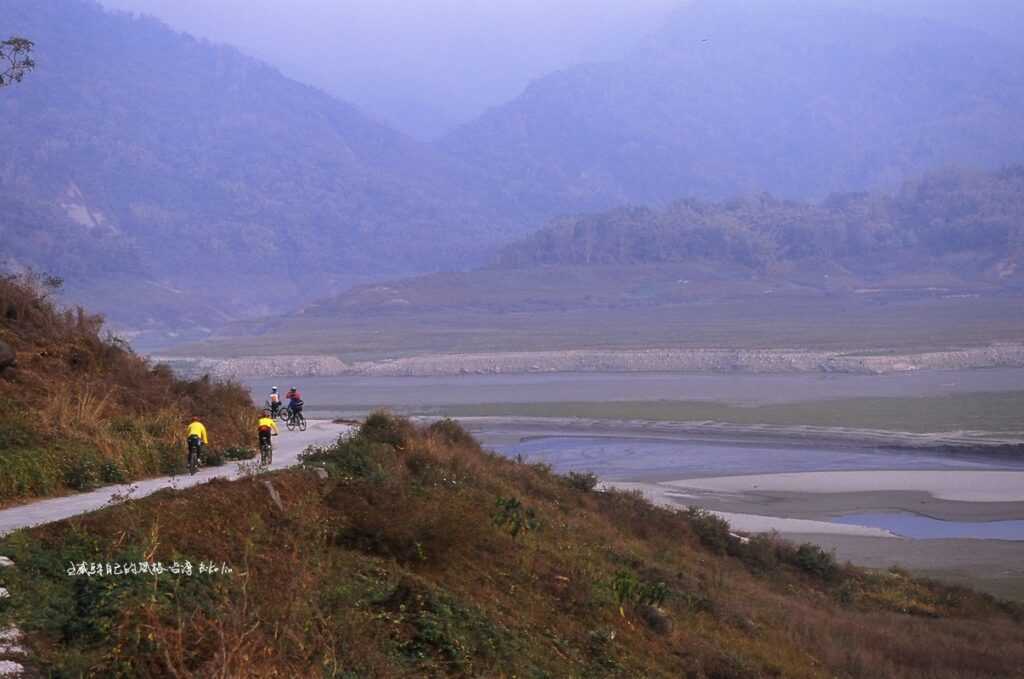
[513, 516]
[712, 529]
[582, 481]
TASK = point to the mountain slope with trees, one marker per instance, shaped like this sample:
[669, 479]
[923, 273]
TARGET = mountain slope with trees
[951, 213]
[210, 169]
[797, 99]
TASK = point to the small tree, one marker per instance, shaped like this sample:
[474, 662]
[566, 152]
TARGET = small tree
[15, 60]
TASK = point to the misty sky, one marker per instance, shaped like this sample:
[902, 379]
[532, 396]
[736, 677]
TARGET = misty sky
[423, 65]
[427, 65]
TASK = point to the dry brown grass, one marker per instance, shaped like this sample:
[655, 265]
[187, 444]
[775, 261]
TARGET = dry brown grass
[395, 567]
[80, 408]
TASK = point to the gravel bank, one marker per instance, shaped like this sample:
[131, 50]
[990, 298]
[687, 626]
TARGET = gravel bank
[777, 361]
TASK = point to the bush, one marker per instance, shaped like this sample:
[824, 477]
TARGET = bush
[237, 453]
[761, 552]
[354, 458]
[582, 481]
[813, 559]
[712, 529]
[512, 515]
[630, 590]
[452, 433]
[112, 472]
[383, 427]
[83, 472]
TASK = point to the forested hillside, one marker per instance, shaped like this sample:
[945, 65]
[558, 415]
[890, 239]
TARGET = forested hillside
[799, 99]
[192, 166]
[947, 213]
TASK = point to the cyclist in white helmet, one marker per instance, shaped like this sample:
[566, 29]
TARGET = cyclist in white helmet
[274, 402]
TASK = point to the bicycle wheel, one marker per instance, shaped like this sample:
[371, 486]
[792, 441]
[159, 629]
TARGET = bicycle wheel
[193, 459]
[302, 422]
[264, 455]
[283, 414]
[293, 422]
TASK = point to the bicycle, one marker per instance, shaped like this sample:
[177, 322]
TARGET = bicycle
[296, 420]
[193, 454]
[266, 451]
[284, 414]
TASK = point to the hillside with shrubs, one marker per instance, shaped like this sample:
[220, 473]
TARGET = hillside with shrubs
[409, 551]
[78, 408]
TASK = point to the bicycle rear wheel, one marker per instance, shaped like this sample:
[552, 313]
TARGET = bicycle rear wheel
[302, 422]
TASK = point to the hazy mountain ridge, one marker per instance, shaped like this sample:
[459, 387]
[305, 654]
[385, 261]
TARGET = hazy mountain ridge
[941, 214]
[210, 166]
[743, 97]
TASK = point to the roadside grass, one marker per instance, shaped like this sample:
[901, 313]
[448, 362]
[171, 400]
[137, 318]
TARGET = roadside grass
[406, 562]
[81, 410]
[993, 412]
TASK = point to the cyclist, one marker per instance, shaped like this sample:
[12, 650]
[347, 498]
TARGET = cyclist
[266, 427]
[274, 400]
[294, 397]
[196, 436]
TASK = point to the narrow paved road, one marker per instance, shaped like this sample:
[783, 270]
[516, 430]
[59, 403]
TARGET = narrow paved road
[287, 447]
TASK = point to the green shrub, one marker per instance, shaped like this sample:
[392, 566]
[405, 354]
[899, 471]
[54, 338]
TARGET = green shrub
[383, 427]
[173, 459]
[582, 481]
[83, 471]
[761, 552]
[812, 559]
[112, 472]
[630, 590]
[236, 453]
[712, 529]
[349, 458]
[452, 433]
[512, 515]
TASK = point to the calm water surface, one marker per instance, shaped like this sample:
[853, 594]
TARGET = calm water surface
[356, 395]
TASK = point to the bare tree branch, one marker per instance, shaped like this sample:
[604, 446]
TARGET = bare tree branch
[15, 60]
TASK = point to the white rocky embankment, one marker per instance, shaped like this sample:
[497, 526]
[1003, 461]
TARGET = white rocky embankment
[1007, 355]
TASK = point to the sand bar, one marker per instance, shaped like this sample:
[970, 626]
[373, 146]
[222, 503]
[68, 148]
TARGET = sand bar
[956, 486]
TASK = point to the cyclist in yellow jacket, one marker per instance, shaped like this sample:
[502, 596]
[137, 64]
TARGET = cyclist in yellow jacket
[266, 426]
[197, 429]
[196, 435]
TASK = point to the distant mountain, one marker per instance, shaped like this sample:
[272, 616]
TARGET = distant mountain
[936, 265]
[152, 158]
[798, 99]
[950, 213]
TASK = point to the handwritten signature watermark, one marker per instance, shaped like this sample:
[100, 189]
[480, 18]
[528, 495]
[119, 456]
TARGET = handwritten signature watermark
[92, 569]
